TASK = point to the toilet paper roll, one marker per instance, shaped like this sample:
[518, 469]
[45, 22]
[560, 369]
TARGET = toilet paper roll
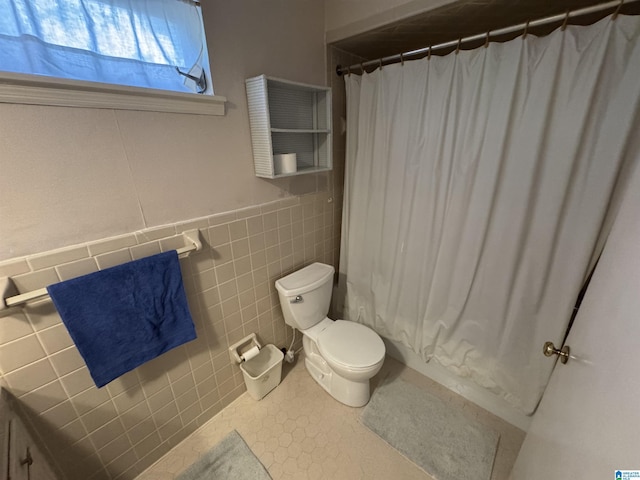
[251, 353]
[285, 163]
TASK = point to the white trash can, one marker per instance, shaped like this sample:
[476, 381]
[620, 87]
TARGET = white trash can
[263, 372]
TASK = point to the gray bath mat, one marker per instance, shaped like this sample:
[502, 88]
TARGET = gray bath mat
[431, 433]
[229, 459]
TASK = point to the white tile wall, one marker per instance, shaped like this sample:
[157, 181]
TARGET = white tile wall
[119, 430]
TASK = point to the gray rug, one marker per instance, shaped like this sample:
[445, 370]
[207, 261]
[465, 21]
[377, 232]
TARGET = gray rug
[229, 459]
[431, 433]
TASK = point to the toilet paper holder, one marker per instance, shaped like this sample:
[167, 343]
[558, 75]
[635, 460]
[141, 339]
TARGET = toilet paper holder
[245, 349]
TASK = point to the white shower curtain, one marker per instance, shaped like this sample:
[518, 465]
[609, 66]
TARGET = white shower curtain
[476, 187]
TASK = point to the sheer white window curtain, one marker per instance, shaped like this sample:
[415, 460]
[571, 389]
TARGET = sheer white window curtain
[124, 42]
[476, 188]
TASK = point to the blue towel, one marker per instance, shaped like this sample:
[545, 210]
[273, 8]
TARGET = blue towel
[126, 315]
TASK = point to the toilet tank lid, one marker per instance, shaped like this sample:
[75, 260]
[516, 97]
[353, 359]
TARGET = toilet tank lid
[305, 279]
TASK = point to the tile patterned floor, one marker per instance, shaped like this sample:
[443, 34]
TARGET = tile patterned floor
[299, 432]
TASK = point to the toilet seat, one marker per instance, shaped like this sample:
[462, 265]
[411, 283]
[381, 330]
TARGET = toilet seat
[351, 345]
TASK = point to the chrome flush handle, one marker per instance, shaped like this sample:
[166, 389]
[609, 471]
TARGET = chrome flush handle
[297, 299]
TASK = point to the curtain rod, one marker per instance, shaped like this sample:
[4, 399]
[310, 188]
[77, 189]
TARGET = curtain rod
[401, 57]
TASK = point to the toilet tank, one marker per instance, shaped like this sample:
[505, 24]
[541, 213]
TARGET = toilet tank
[305, 295]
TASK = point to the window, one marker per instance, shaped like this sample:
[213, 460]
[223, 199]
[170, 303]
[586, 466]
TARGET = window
[152, 44]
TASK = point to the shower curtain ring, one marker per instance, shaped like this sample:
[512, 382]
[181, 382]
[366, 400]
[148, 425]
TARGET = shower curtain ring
[380, 64]
[486, 42]
[402, 59]
[458, 47]
[362, 67]
[566, 21]
[429, 53]
[615, 14]
[526, 30]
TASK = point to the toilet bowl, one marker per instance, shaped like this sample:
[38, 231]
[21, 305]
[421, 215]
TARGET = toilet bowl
[341, 356]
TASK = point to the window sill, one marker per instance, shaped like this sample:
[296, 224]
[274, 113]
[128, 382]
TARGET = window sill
[34, 90]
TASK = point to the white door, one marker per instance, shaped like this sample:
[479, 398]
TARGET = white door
[588, 423]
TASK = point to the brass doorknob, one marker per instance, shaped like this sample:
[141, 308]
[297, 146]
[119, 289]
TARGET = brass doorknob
[550, 349]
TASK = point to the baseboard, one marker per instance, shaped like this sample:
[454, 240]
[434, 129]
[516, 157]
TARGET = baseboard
[461, 386]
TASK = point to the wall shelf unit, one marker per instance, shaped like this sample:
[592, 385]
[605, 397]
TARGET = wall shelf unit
[289, 117]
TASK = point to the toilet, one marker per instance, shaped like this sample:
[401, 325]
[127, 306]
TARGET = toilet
[340, 355]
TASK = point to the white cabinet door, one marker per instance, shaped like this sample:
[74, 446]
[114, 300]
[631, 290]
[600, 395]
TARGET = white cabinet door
[26, 462]
[19, 442]
[588, 423]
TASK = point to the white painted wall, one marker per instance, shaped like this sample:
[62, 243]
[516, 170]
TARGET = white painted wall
[345, 18]
[343, 12]
[71, 175]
